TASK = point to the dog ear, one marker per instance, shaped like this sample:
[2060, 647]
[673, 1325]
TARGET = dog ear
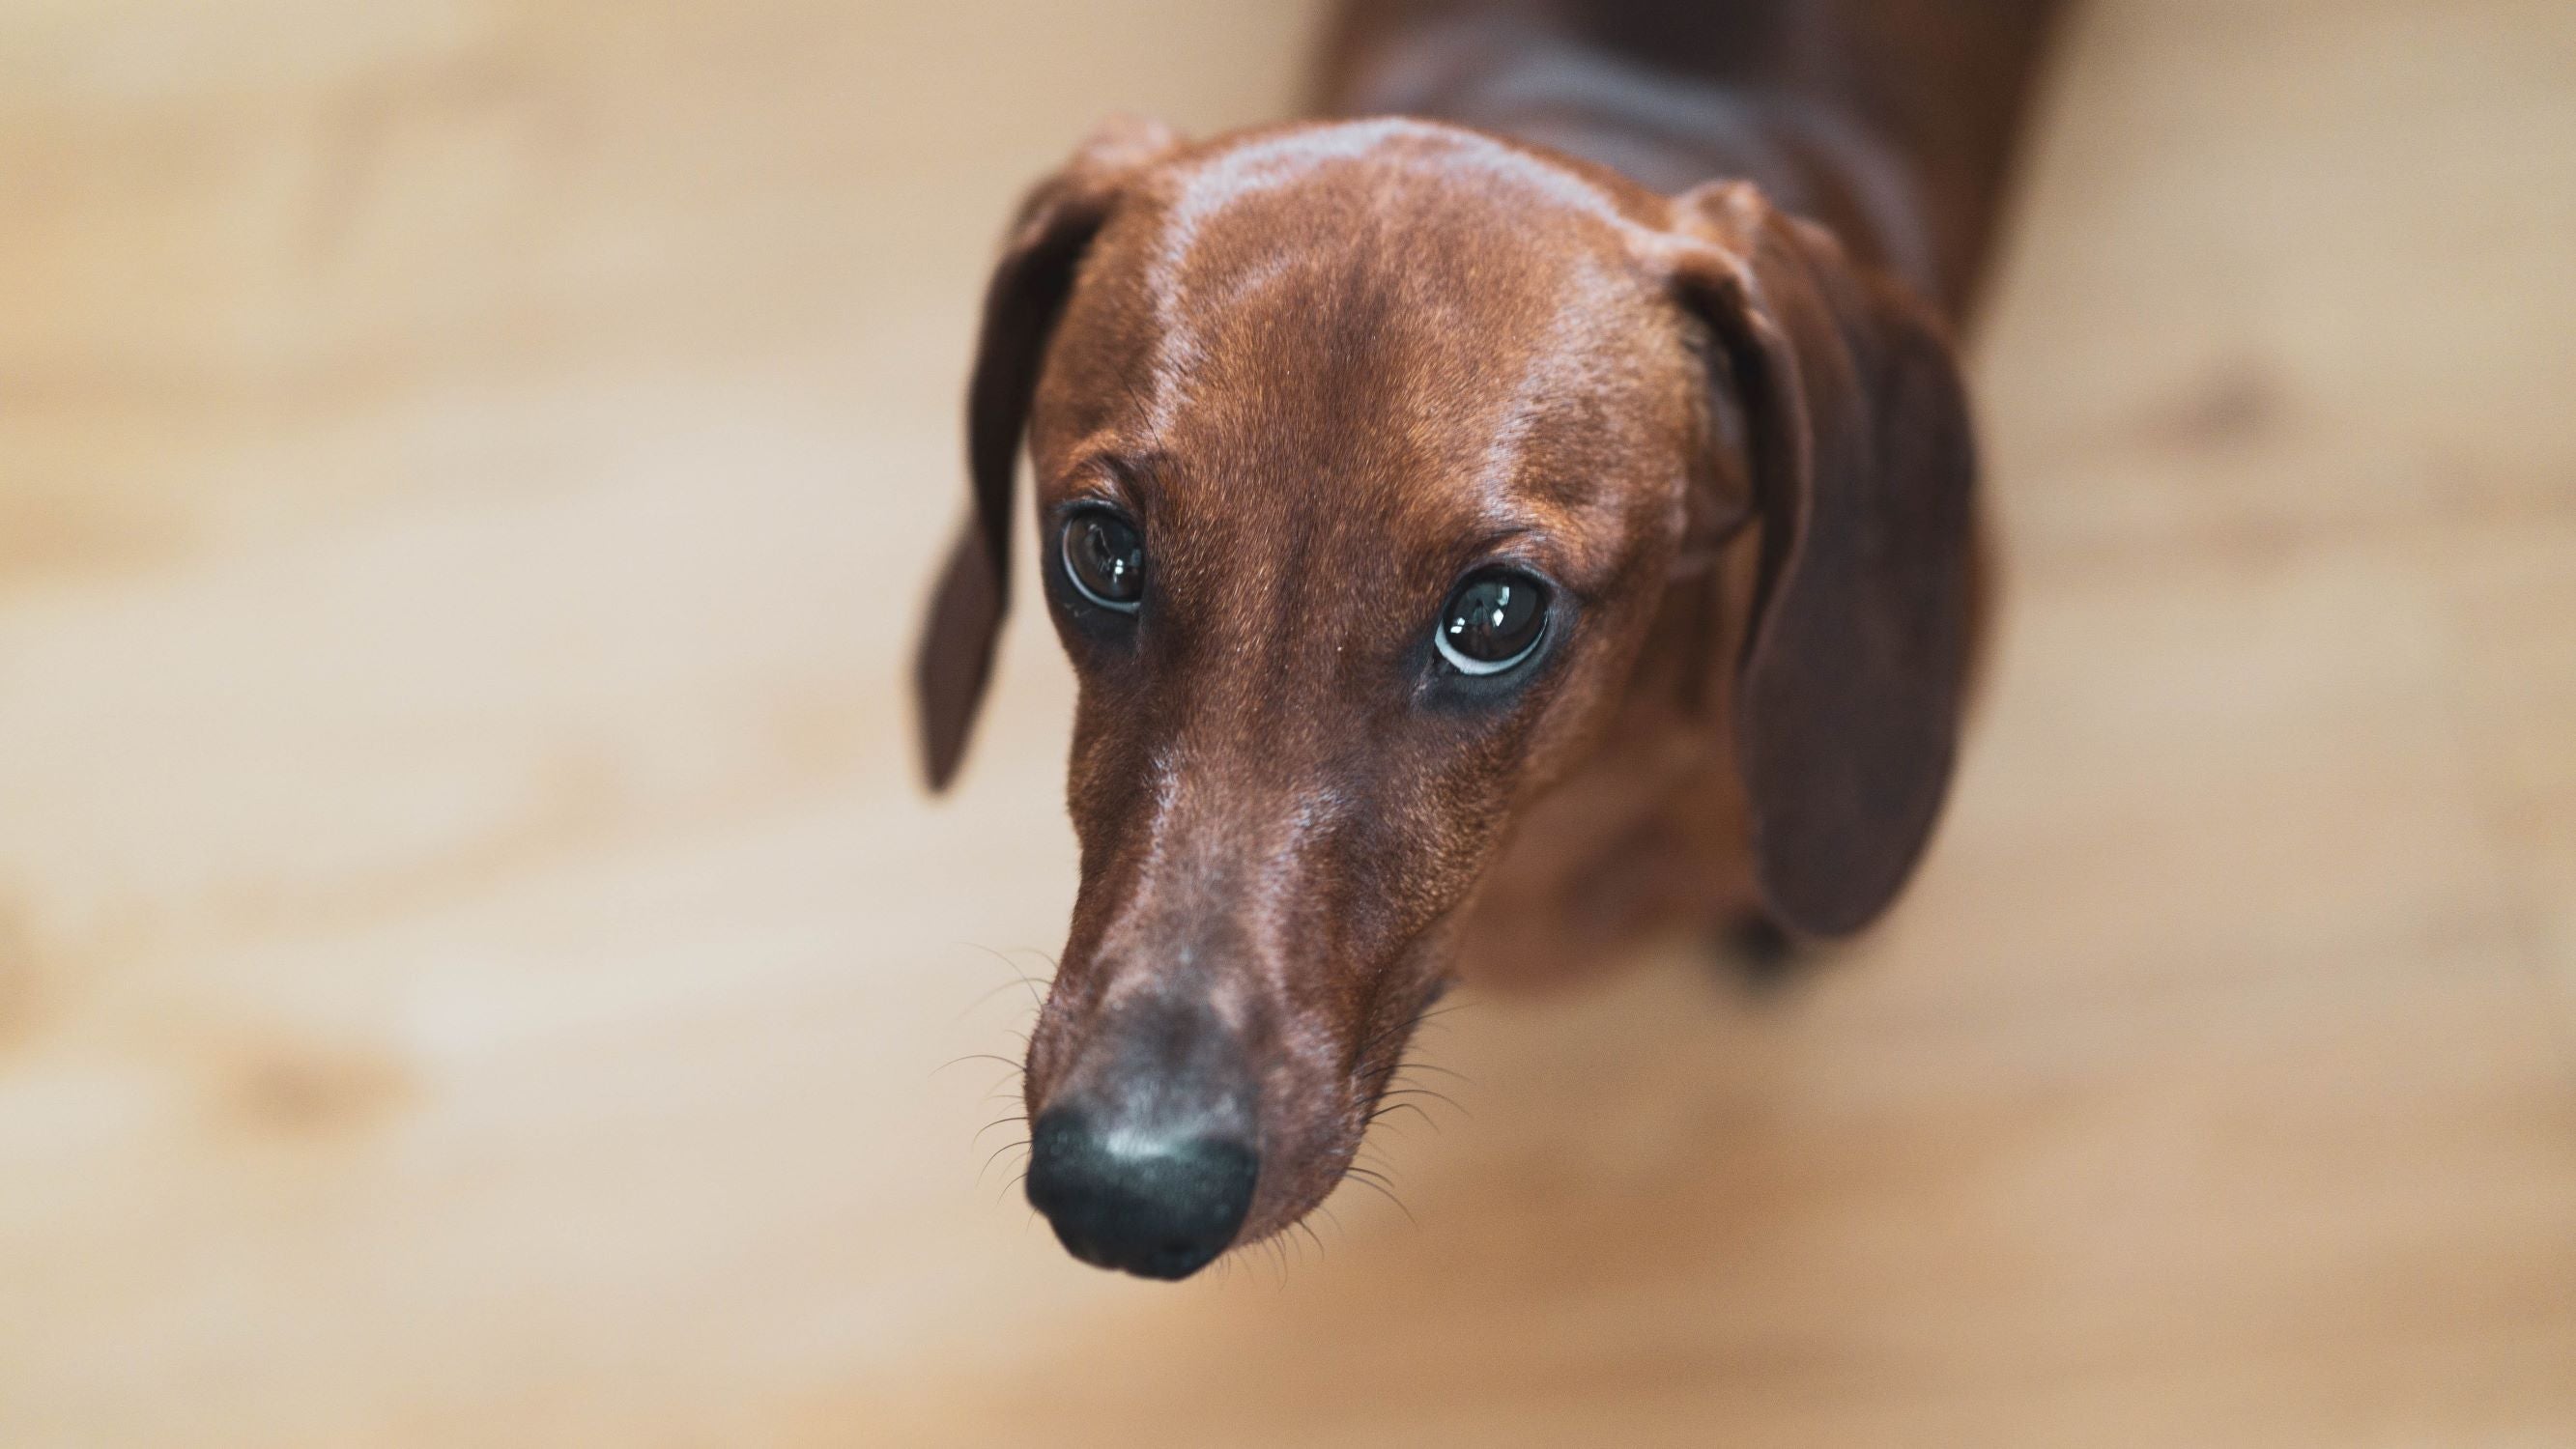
[1055, 225]
[1849, 690]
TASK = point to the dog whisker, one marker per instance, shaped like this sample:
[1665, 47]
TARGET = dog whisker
[1369, 1179]
[1389, 1109]
[1312, 1236]
[995, 1157]
[1019, 977]
[1437, 1096]
[996, 1122]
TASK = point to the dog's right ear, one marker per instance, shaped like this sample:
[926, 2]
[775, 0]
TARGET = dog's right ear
[1056, 223]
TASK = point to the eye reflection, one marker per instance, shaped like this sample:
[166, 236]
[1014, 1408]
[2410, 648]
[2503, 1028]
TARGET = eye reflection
[1492, 621]
[1105, 557]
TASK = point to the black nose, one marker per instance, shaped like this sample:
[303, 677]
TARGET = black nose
[1157, 1206]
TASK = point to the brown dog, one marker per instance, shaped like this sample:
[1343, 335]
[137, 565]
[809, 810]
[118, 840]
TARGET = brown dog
[1481, 542]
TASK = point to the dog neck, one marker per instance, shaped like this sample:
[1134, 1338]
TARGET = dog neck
[1890, 126]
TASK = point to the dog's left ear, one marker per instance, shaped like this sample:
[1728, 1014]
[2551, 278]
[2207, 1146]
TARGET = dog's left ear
[1055, 225]
[1848, 693]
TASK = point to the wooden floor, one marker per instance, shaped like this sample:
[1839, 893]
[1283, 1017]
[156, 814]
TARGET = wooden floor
[475, 968]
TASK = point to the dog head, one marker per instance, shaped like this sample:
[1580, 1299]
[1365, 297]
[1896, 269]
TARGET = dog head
[1366, 455]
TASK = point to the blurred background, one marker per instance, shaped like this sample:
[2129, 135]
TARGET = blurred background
[476, 966]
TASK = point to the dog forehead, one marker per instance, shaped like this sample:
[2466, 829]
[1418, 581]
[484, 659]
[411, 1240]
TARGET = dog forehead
[1351, 179]
[1433, 321]
[1375, 235]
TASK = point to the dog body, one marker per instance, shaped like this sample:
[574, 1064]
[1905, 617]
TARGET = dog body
[1481, 541]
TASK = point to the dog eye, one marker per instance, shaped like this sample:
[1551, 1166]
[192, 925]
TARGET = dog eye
[1492, 621]
[1106, 558]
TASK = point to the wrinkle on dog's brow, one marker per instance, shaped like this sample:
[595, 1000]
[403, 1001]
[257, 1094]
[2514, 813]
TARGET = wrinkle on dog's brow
[1566, 363]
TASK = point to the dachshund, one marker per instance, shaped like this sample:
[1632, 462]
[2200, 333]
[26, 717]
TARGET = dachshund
[1527, 509]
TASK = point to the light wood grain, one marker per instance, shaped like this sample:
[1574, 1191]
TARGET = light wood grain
[475, 967]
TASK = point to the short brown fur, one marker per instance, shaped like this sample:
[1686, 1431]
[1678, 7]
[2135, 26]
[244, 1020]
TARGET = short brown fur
[1330, 367]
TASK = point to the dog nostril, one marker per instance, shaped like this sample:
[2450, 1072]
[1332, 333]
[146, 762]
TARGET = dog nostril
[1153, 1204]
